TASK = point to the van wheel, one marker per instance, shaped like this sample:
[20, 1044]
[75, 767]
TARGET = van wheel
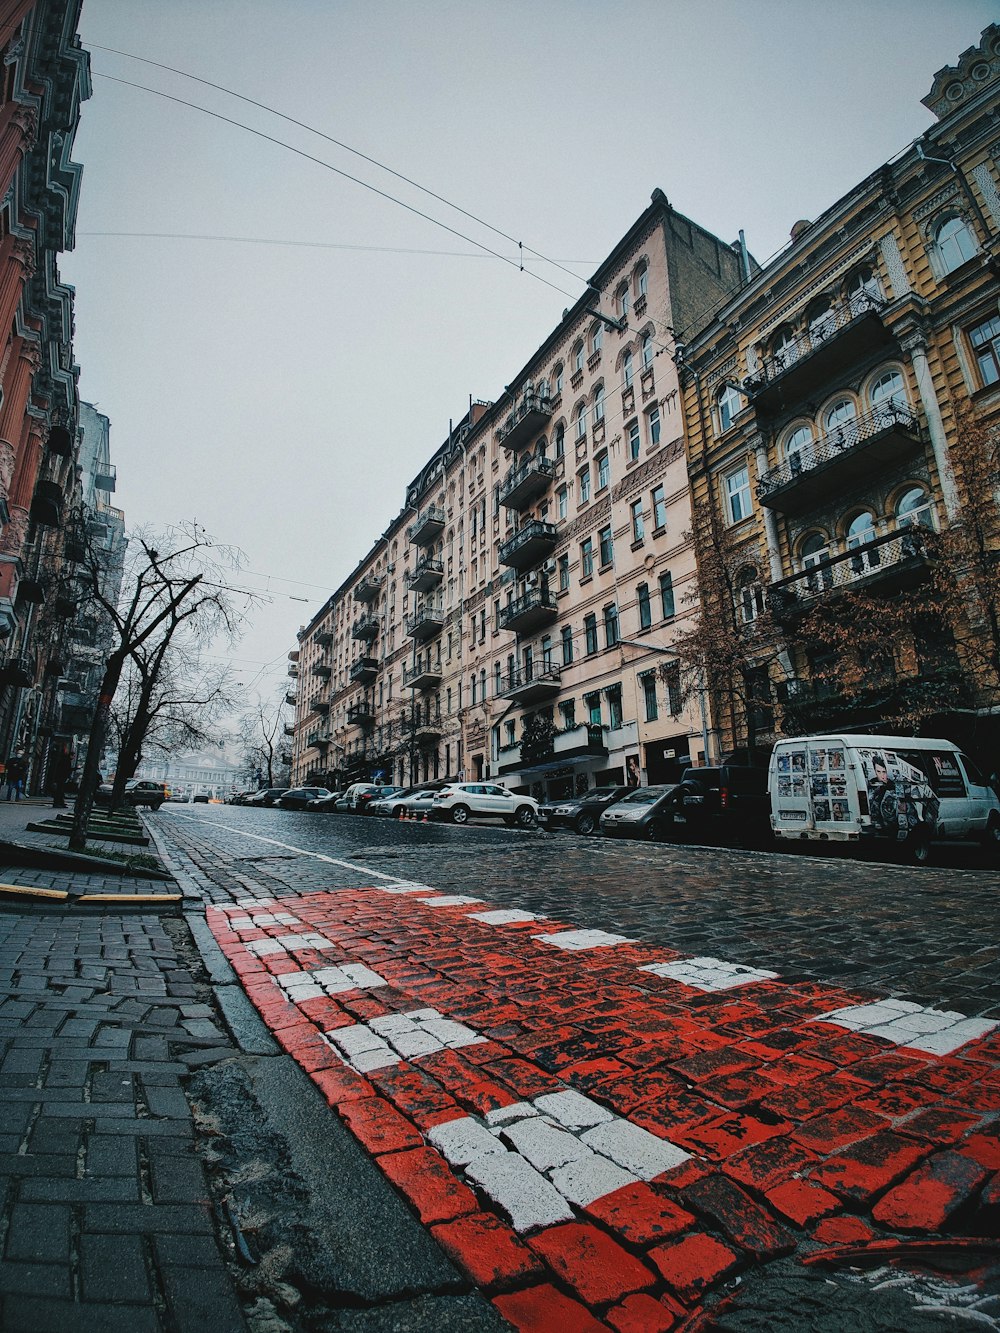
[991, 838]
[918, 849]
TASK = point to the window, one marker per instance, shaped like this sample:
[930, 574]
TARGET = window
[729, 405]
[797, 448]
[581, 421]
[472, 686]
[511, 731]
[497, 683]
[649, 696]
[653, 426]
[642, 601]
[578, 358]
[546, 653]
[563, 573]
[638, 531]
[562, 501]
[667, 595]
[590, 634]
[642, 280]
[647, 350]
[586, 557]
[913, 509]
[623, 302]
[634, 441]
[888, 391]
[559, 377]
[675, 696]
[784, 347]
[749, 595]
[861, 531]
[603, 470]
[737, 488]
[985, 339]
[596, 338]
[584, 479]
[821, 320]
[568, 710]
[607, 546]
[567, 645]
[840, 414]
[813, 550]
[955, 243]
[627, 370]
[863, 291]
[610, 625]
[598, 404]
[560, 441]
[659, 498]
[592, 703]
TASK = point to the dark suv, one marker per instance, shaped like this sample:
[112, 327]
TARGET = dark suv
[728, 802]
[581, 813]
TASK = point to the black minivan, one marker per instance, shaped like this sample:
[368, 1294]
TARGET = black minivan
[727, 803]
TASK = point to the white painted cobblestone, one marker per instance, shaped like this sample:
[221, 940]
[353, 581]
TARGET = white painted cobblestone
[634, 1148]
[463, 1140]
[449, 900]
[708, 974]
[588, 1178]
[545, 1145]
[904, 1023]
[503, 916]
[304, 940]
[528, 1199]
[263, 948]
[583, 939]
[503, 1115]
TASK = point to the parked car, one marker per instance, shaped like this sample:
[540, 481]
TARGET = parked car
[348, 803]
[458, 800]
[266, 796]
[365, 799]
[727, 802]
[200, 799]
[413, 801]
[904, 790]
[298, 798]
[645, 812]
[137, 792]
[326, 804]
[582, 813]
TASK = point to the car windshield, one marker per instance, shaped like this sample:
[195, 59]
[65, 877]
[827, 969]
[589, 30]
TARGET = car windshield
[600, 794]
[645, 795]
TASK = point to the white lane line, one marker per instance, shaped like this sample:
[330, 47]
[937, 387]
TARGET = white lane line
[391, 1038]
[450, 900]
[290, 847]
[708, 974]
[583, 939]
[904, 1023]
[503, 916]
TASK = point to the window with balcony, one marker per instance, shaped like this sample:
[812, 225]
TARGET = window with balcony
[564, 573]
[642, 280]
[624, 302]
[653, 427]
[633, 439]
[603, 470]
[859, 531]
[862, 290]
[813, 550]
[560, 441]
[985, 340]
[627, 371]
[842, 413]
[736, 487]
[647, 350]
[566, 636]
[784, 347]
[607, 547]
[638, 530]
[586, 557]
[659, 499]
[667, 595]
[596, 338]
[581, 422]
[546, 653]
[610, 625]
[797, 447]
[568, 711]
[584, 480]
[592, 703]
[954, 243]
[728, 406]
[578, 357]
[649, 695]
[749, 595]
[643, 605]
[598, 404]
[888, 390]
[590, 634]
[821, 320]
[614, 693]
[913, 509]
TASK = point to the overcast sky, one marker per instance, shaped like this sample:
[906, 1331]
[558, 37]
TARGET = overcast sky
[283, 388]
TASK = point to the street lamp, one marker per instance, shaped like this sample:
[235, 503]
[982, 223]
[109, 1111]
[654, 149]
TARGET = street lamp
[672, 652]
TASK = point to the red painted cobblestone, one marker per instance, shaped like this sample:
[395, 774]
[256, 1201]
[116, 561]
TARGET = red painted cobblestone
[544, 1310]
[640, 1215]
[839, 1128]
[429, 1183]
[869, 1167]
[644, 1314]
[745, 1222]
[489, 1251]
[379, 1127]
[588, 1260]
[843, 1231]
[691, 1265]
[928, 1197]
[803, 1203]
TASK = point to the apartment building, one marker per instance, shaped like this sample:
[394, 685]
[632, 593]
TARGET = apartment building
[516, 619]
[841, 411]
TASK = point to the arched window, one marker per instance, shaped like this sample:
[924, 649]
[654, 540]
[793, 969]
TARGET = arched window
[821, 320]
[560, 439]
[627, 369]
[642, 280]
[598, 404]
[647, 350]
[955, 243]
[813, 550]
[729, 404]
[859, 532]
[624, 303]
[913, 509]
[784, 347]
[596, 338]
[578, 358]
[798, 448]
[581, 421]
[841, 414]
[559, 377]
[888, 391]
[542, 388]
[749, 595]
[863, 291]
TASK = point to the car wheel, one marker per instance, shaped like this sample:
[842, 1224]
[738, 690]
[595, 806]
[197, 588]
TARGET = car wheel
[586, 823]
[917, 849]
[156, 805]
[460, 814]
[652, 832]
[525, 816]
[397, 812]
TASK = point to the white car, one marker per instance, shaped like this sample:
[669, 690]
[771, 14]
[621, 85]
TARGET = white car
[459, 800]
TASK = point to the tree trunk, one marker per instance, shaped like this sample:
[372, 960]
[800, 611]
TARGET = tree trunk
[98, 730]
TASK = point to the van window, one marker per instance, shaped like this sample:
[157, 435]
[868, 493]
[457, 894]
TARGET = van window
[972, 772]
[941, 769]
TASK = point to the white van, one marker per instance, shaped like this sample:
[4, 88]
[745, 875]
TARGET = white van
[905, 788]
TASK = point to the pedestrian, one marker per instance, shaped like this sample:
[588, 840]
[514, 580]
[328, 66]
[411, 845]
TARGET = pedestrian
[60, 769]
[16, 772]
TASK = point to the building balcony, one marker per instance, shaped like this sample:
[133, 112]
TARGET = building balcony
[293, 670]
[318, 740]
[531, 687]
[425, 574]
[528, 418]
[427, 528]
[293, 655]
[429, 732]
[46, 505]
[321, 669]
[885, 564]
[529, 545]
[571, 747]
[289, 729]
[805, 367]
[361, 713]
[60, 441]
[366, 628]
[364, 670]
[291, 698]
[425, 622]
[858, 449]
[16, 671]
[528, 612]
[323, 637]
[367, 588]
[423, 675]
[321, 705]
[105, 475]
[526, 483]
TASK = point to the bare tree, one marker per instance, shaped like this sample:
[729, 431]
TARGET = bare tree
[261, 737]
